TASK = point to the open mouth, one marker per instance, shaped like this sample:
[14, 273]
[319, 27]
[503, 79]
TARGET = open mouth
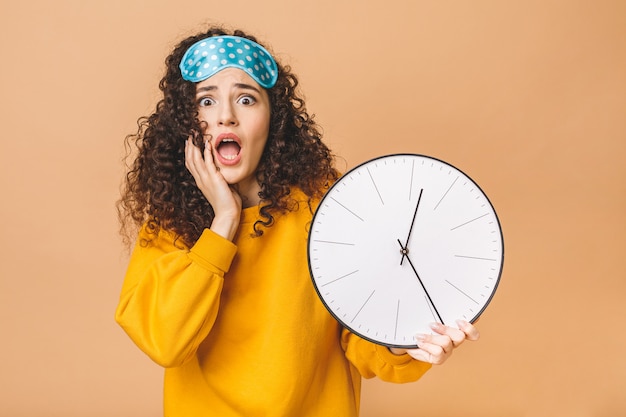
[228, 149]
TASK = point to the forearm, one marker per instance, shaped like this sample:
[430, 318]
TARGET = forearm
[170, 300]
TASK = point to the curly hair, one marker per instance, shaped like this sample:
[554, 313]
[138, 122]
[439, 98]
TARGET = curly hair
[159, 191]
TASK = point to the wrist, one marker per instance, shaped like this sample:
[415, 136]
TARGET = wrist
[226, 225]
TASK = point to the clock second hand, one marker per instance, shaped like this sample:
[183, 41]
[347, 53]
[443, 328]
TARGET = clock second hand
[412, 223]
[405, 253]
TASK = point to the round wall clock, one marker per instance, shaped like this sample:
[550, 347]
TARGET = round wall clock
[402, 241]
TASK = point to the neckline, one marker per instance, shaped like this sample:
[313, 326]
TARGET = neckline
[249, 214]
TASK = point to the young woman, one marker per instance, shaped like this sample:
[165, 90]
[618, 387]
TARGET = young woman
[227, 173]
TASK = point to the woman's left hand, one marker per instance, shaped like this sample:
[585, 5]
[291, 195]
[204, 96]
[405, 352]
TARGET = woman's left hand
[437, 348]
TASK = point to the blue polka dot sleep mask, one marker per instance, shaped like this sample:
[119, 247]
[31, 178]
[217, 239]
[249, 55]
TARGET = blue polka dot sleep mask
[211, 55]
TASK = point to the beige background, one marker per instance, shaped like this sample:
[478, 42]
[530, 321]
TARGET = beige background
[527, 97]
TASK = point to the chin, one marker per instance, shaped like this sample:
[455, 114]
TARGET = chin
[231, 175]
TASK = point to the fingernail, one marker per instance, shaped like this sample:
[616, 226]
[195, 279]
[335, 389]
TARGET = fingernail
[436, 326]
[420, 338]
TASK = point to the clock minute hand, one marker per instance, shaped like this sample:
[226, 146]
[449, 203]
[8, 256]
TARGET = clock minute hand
[404, 248]
[405, 253]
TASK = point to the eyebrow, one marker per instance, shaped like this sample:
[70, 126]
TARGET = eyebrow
[237, 85]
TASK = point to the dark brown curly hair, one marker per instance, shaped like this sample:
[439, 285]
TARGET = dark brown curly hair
[160, 192]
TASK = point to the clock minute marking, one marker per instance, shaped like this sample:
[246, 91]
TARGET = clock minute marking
[461, 291]
[411, 182]
[375, 186]
[349, 211]
[332, 242]
[446, 193]
[395, 333]
[341, 277]
[363, 306]
[475, 257]
[470, 221]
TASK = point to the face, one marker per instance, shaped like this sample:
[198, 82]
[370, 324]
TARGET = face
[236, 111]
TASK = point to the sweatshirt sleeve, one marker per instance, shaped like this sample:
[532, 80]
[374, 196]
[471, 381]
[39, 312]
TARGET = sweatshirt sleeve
[373, 360]
[170, 296]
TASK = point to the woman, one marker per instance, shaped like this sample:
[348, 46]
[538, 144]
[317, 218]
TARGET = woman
[228, 172]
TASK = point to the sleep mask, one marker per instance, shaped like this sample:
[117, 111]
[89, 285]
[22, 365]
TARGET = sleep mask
[211, 55]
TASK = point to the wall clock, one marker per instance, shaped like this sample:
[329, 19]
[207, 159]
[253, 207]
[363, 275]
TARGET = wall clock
[402, 241]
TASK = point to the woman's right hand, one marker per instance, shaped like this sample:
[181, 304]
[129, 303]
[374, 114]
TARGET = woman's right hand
[224, 199]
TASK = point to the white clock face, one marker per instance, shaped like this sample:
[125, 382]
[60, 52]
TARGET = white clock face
[402, 241]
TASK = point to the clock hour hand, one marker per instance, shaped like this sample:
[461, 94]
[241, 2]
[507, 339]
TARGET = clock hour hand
[404, 249]
[405, 253]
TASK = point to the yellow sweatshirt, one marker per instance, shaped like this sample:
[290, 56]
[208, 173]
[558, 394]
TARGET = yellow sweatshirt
[240, 329]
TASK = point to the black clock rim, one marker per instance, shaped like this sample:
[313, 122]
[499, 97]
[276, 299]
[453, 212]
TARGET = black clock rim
[336, 183]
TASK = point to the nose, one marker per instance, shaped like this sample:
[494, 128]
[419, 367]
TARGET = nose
[227, 116]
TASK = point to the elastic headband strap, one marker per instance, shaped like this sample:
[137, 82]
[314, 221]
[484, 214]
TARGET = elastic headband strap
[211, 55]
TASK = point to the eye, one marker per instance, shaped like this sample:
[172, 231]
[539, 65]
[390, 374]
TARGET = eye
[206, 101]
[246, 100]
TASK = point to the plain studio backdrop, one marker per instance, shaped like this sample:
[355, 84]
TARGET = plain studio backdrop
[527, 97]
